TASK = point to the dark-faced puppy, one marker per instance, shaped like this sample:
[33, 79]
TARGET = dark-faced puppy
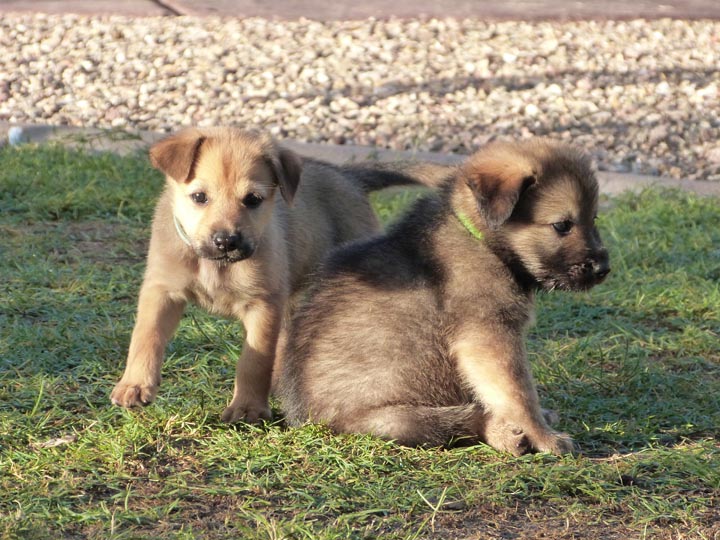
[240, 227]
[419, 335]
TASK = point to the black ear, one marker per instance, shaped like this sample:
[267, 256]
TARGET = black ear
[287, 167]
[497, 178]
[176, 155]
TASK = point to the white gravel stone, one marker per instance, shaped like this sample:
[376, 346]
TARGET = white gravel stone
[640, 96]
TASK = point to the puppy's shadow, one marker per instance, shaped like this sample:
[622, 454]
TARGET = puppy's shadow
[615, 384]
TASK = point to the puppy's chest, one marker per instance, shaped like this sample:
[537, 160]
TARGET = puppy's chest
[225, 291]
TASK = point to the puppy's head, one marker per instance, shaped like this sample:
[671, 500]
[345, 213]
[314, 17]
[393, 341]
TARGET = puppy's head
[538, 202]
[223, 182]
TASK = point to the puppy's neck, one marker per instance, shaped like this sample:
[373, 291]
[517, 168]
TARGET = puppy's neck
[181, 232]
[524, 279]
[461, 202]
[470, 227]
[462, 207]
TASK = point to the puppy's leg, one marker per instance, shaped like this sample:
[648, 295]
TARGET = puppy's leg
[254, 367]
[496, 367]
[157, 318]
[414, 425]
[279, 355]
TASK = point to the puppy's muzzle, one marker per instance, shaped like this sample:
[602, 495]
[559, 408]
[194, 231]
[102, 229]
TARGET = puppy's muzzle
[230, 246]
[586, 274]
[597, 268]
[601, 269]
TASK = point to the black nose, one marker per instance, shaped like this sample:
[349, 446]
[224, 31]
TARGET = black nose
[225, 241]
[601, 268]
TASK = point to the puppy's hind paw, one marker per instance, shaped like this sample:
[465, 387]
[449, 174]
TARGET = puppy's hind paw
[246, 412]
[133, 395]
[556, 443]
[512, 438]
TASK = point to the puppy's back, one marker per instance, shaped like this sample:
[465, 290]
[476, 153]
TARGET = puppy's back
[362, 316]
[328, 210]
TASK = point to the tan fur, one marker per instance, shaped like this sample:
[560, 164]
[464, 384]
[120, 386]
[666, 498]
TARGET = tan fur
[419, 336]
[267, 255]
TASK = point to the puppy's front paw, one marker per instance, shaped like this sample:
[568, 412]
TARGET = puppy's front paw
[133, 394]
[252, 413]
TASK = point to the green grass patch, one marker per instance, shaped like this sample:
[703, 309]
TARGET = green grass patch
[633, 368]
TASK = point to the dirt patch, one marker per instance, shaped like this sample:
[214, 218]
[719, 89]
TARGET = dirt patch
[533, 522]
[108, 241]
[100, 241]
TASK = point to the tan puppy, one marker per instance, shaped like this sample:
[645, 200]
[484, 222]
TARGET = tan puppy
[419, 335]
[238, 231]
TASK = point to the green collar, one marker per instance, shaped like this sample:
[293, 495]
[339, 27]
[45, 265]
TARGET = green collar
[471, 228]
[181, 232]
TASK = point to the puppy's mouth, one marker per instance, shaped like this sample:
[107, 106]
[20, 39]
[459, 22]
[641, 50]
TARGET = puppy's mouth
[577, 277]
[226, 257]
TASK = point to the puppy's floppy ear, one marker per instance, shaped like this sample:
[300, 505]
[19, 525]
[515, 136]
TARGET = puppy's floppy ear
[176, 154]
[286, 166]
[498, 179]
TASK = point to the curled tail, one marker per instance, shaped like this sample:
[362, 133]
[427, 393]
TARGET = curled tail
[378, 175]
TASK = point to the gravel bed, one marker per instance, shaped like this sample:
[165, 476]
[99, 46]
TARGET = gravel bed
[641, 96]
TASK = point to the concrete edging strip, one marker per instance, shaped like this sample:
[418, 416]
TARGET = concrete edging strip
[123, 142]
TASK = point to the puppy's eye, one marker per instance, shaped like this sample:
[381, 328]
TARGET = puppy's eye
[563, 227]
[199, 197]
[252, 200]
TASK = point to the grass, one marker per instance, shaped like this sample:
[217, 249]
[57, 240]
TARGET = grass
[633, 367]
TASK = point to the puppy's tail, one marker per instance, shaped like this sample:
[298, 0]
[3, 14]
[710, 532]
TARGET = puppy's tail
[415, 425]
[373, 176]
